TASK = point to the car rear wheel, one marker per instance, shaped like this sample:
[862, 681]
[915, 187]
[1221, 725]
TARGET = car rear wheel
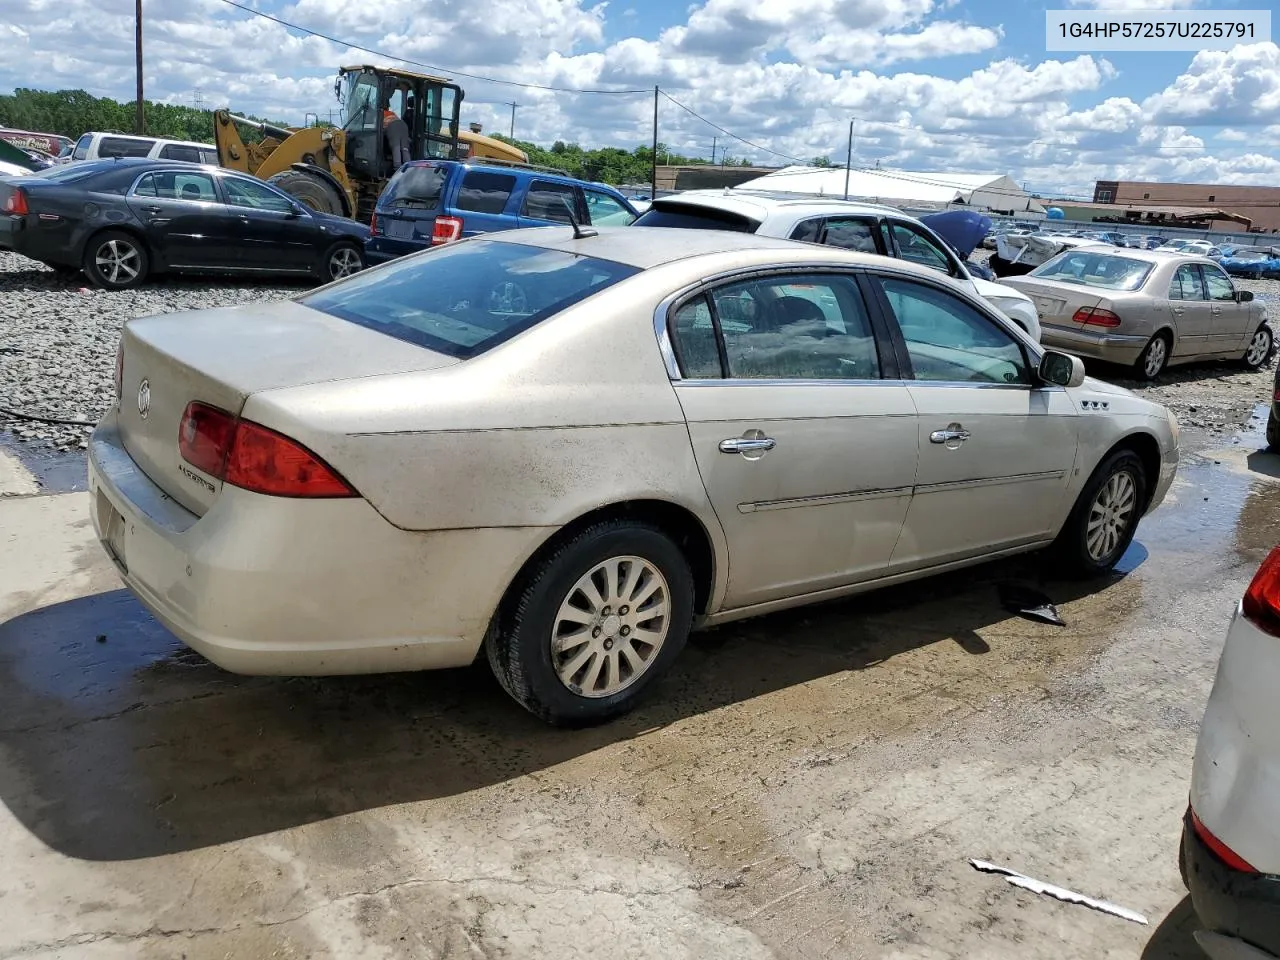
[115, 260]
[340, 260]
[1154, 358]
[1259, 351]
[1102, 523]
[593, 623]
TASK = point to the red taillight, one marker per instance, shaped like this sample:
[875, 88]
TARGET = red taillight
[204, 437]
[1276, 398]
[446, 230]
[17, 203]
[1261, 604]
[246, 454]
[1224, 853]
[373, 224]
[1096, 317]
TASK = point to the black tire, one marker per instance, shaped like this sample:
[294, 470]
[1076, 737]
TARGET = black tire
[311, 190]
[1255, 358]
[519, 644]
[1273, 431]
[1145, 366]
[1072, 545]
[341, 260]
[115, 260]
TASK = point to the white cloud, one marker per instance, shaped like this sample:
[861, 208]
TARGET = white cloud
[1137, 4]
[1236, 86]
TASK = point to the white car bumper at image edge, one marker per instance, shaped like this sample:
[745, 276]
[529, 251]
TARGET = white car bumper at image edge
[275, 585]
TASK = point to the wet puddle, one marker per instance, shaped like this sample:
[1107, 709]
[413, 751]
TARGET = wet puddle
[56, 471]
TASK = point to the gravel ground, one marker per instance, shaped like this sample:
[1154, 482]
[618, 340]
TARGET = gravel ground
[58, 339]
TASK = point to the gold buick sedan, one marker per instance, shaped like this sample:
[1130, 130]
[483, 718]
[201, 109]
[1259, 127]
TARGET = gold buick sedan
[569, 448]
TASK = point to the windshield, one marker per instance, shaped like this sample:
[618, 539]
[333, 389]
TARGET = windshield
[1094, 270]
[361, 103]
[466, 298]
[690, 216]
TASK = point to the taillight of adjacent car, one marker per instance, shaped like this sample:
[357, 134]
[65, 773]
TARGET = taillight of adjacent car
[446, 230]
[16, 203]
[1261, 603]
[373, 224]
[119, 378]
[248, 455]
[1096, 317]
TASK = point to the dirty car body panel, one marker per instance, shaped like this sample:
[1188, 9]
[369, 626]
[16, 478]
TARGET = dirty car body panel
[467, 409]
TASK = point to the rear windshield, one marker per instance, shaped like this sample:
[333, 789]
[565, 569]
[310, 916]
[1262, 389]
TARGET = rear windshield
[694, 217]
[71, 172]
[418, 185]
[465, 298]
[1095, 270]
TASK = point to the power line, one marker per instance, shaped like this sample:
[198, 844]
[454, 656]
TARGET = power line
[418, 63]
[727, 133]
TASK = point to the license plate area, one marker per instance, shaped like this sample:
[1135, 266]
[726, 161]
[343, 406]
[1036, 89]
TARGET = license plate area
[113, 531]
[399, 229]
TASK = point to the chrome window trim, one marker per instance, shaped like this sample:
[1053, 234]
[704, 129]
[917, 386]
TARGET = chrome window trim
[133, 189]
[776, 382]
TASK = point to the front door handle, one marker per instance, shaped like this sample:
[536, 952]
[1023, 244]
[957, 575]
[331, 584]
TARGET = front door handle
[747, 444]
[953, 434]
[152, 210]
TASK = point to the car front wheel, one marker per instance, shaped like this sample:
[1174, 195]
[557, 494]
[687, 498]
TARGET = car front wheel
[1102, 523]
[341, 260]
[593, 623]
[115, 260]
[1259, 351]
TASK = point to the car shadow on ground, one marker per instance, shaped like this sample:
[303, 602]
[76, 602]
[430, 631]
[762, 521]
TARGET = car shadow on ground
[1174, 939]
[42, 280]
[1125, 376]
[120, 743]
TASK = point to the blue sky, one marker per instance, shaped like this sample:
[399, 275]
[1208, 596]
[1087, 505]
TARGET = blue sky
[965, 85]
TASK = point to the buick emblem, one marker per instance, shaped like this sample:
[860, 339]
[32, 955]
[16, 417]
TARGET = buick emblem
[144, 398]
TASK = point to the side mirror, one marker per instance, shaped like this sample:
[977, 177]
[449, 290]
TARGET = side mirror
[1061, 369]
[1244, 296]
[296, 211]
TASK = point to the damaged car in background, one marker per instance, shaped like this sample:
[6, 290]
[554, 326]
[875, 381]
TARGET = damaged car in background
[551, 446]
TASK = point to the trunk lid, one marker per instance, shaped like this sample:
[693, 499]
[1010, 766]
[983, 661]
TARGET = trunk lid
[1056, 302]
[221, 357]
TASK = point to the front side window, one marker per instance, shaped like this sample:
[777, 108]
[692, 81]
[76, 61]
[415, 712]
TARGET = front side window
[166, 185]
[124, 147]
[1187, 284]
[948, 340]
[82, 147]
[466, 298]
[1219, 284]
[258, 196]
[482, 192]
[550, 201]
[605, 211]
[915, 246]
[798, 327]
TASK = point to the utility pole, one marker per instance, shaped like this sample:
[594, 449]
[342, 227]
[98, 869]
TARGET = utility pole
[713, 150]
[139, 120]
[653, 186]
[848, 161]
[513, 106]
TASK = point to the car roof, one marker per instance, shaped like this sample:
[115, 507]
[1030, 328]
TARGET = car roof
[649, 247]
[758, 204]
[528, 170]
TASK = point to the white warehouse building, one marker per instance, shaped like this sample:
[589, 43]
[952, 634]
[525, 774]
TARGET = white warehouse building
[986, 192]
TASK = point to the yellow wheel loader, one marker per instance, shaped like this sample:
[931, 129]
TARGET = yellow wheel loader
[391, 116]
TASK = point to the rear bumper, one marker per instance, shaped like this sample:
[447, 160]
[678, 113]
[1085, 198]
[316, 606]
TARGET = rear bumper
[380, 249]
[11, 231]
[1108, 347]
[271, 585]
[1242, 909]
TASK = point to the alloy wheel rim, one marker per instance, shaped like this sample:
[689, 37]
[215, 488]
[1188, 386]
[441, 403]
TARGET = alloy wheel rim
[1155, 357]
[343, 263]
[1258, 348]
[118, 261]
[1109, 516]
[611, 627]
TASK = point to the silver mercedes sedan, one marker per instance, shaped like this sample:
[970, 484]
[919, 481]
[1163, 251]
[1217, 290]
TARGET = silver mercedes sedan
[568, 448]
[1146, 308]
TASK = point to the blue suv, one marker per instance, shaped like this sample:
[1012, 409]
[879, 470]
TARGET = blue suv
[429, 202]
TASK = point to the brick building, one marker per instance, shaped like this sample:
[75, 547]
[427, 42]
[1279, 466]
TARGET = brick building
[1261, 205]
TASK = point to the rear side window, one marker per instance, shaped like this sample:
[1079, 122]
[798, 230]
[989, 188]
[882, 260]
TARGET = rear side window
[209, 156]
[177, 186]
[124, 147]
[692, 217]
[417, 185]
[465, 298]
[82, 147]
[483, 192]
[174, 151]
[550, 201]
[852, 233]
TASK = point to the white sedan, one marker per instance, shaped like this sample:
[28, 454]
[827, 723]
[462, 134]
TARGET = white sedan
[567, 449]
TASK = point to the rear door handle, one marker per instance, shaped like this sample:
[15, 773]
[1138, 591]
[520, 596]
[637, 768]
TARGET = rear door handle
[152, 210]
[747, 445]
[950, 434]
